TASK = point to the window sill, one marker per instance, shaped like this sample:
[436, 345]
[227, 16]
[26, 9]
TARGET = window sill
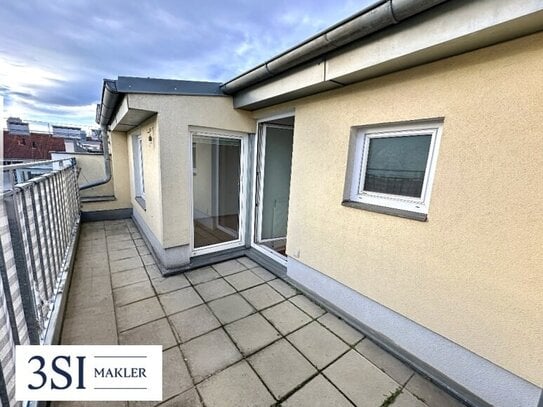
[402, 213]
[141, 202]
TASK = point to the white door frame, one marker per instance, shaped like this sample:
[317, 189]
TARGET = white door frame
[256, 220]
[242, 193]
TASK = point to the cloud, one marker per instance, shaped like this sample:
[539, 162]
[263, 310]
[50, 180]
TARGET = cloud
[54, 54]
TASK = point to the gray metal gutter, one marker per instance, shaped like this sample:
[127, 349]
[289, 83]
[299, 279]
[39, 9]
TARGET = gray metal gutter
[368, 21]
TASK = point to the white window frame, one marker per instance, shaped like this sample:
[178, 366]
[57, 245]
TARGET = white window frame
[139, 182]
[361, 144]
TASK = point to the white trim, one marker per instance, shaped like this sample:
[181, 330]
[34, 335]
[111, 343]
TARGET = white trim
[361, 145]
[260, 126]
[243, 137]
[137, 161]
[457, 364]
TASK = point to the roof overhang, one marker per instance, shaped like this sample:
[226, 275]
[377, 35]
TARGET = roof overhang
[447, 29]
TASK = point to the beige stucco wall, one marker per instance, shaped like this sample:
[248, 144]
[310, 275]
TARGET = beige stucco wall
[167, 160]
[473, 271]
[120, 180]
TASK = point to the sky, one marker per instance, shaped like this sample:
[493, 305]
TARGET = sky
[55, 53]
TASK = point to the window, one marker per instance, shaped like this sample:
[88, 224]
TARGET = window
[392, 167]
[139, 183]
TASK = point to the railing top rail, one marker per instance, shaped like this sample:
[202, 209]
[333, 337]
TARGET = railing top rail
[33, 164]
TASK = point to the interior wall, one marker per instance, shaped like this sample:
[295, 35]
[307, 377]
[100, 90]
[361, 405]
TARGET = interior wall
[472, 272]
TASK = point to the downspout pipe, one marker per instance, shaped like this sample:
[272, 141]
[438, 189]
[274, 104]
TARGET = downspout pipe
[104, 113]
[378, 16]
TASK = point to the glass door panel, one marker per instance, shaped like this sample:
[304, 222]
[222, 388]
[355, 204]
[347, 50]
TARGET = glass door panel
[217, 172]
[273, 180]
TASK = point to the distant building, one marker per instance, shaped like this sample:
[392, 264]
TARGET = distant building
[30, 147]
[17, 126]
[69, 132]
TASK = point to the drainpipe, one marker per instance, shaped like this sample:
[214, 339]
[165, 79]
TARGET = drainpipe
[104, 112]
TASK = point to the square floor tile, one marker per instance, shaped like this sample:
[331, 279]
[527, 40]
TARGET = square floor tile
[286, 317]
[262, 296]
[194, 322]
[263, 273]
[128, 277]
[180, 300]
[168, 284]
[214, 289]
[284, 289]
[341, 328]
[189, 398]
[175, 378]
[132, 293]
[360, 380]
[138, 313]
[125, 264]
[281, 367]
[244, 280]
[231, 308]
[318, 344]
[236, 386]
[318, 392]
[384, 361]
[228, 267]
[247, 262]
[308, 306]
[202, 275]
[406, 399]
[252, 333]
[430, 393]
[153, 333]
[209, 353]
[123, 254]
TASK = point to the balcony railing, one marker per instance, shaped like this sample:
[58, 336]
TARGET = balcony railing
[39, 223]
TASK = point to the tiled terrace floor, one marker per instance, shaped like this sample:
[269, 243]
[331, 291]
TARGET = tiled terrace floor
[232, 334]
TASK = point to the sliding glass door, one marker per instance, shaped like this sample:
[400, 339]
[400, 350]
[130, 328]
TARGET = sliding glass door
[218, 192]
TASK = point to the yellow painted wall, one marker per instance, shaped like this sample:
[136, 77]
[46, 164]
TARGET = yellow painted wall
[170, 216]
[120, 177]
[474, 271]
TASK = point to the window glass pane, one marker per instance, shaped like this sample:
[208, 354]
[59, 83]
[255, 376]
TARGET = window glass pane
[216, 185]
[396, 165]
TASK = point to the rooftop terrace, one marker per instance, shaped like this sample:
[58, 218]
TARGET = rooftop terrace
[233, 334]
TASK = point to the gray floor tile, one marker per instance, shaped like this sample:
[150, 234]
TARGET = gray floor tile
[432, 395]
[147, 259]
[214, 289]
[124, 278]
[209, 353]
[175, 378]
[165, 285]
[286, 317]
[138, 313]
[247, 262]
[194, 322]
[143, 250]
[406, 399]
[202, 275]
[236, 386]
[244, 280]
[263, 273]
[153, 333]
[189, 398]
[360, 380]
[308, 306]
[252, 333]
[125, 264]
[384, 361]
[228, 267]
[284, 289]
[119, 245]
[180, 300]
[341, 328]
[123, 254]
[153, 272]
[139, 242]
[318, 344]
[262, 296]
[281, 367]
[231, 308]
[317, 393]
[134, 292]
